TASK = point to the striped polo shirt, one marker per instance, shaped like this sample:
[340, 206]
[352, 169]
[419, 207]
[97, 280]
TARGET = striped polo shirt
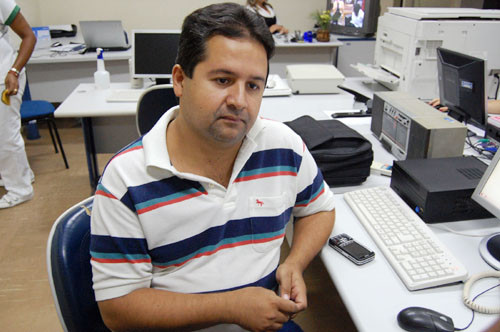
[153, 226]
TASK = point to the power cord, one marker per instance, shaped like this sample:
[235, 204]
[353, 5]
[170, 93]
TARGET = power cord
[484, 147]
[498, 84]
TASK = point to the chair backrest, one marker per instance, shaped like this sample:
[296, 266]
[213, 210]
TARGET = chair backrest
[27, 93]
[70, 273]
[152, 104]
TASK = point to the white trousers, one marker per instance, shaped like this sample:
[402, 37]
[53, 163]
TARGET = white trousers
[14, 168]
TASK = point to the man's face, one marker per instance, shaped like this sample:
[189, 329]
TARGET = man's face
[222, 100]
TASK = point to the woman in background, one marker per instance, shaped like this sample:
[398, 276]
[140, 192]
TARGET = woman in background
[266, 11]
[14, 168]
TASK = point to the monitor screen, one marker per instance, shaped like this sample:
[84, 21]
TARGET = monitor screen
[461, 81]
[353, 17]
[487, 194]
[154, 53]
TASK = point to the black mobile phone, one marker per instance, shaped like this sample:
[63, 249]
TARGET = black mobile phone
[351, 249]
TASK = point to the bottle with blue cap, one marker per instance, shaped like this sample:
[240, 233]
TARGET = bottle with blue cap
[101, 76]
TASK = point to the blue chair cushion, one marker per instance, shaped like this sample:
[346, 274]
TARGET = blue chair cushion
[36, 109]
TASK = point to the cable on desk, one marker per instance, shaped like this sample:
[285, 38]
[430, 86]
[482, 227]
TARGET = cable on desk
[484, 147]
[498, 84]
[473, 312]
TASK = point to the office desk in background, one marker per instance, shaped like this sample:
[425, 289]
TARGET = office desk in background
[287, 53]
[53, 76]
[109, 126]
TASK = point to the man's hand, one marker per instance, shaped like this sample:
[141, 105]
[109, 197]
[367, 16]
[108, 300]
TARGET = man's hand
[259, 309]
[292, 285]
[278, 29]
[437, 104]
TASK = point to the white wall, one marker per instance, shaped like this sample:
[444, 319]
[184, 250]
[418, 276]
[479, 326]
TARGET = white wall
[152, 14]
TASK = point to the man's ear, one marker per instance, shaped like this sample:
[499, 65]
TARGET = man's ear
[178, 77]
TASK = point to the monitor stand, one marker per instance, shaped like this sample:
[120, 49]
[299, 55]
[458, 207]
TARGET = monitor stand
[162, 81]
[489, 249]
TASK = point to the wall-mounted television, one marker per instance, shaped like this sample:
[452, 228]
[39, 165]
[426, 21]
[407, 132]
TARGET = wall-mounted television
[353, 17]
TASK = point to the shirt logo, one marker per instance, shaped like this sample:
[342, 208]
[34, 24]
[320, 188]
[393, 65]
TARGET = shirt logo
[259, 203]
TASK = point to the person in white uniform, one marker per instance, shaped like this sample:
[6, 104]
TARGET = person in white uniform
[15, 171]
[266, 11]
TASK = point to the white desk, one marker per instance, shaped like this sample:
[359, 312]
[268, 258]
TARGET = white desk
[53, 77]
[373, 293]
[112, 125]
[287, 53]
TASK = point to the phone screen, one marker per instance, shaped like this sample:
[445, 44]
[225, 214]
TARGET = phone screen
[356, 250]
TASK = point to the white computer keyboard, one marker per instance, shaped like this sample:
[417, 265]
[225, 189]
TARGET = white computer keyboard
[124, 95]
[413, 250]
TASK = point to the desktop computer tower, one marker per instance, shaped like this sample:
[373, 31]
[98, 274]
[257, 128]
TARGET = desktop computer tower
[440, 189]
[410, 128]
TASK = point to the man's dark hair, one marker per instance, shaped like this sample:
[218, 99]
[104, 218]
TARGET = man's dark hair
[225, 19]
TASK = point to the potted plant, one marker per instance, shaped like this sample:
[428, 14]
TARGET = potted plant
[322, 19]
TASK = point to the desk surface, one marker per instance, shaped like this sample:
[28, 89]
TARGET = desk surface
[283, 41]
[86, 101]
[47, 56]
[372, 293]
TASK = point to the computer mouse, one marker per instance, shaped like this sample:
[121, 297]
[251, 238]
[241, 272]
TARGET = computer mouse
[418, 319]
[56, 44]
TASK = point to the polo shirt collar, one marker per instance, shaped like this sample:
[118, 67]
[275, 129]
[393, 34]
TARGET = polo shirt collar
[155, 141]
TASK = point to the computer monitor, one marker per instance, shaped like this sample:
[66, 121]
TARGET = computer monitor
[154, 53]
[461, 86]
[487, 194]
[353, 17]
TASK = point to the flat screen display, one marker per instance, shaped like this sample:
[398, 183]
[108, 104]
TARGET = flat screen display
[487, 193]
[353, 17]
[154, 53]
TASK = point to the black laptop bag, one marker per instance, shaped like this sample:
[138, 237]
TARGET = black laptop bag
[343, 155]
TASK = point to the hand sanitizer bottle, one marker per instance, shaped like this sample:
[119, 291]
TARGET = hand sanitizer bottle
[101, 76]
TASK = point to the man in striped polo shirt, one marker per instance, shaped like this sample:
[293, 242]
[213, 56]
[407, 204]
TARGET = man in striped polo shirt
[188, 220]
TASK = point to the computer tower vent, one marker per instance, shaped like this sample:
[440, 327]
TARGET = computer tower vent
[471, 173]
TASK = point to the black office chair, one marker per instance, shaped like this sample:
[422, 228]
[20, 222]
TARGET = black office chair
[152, 104]
[70, 273]
[41, 110]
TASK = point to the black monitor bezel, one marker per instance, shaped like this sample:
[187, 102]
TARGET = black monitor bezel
[133, 70]
[477, 118]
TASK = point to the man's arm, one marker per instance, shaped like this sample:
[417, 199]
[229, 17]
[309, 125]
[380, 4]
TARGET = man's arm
[150, 309]
[309, 236]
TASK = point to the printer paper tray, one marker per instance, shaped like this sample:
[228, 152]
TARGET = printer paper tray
[378, 74]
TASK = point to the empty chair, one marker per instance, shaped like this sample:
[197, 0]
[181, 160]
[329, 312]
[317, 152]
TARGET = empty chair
[152, 104]
[41, 110]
